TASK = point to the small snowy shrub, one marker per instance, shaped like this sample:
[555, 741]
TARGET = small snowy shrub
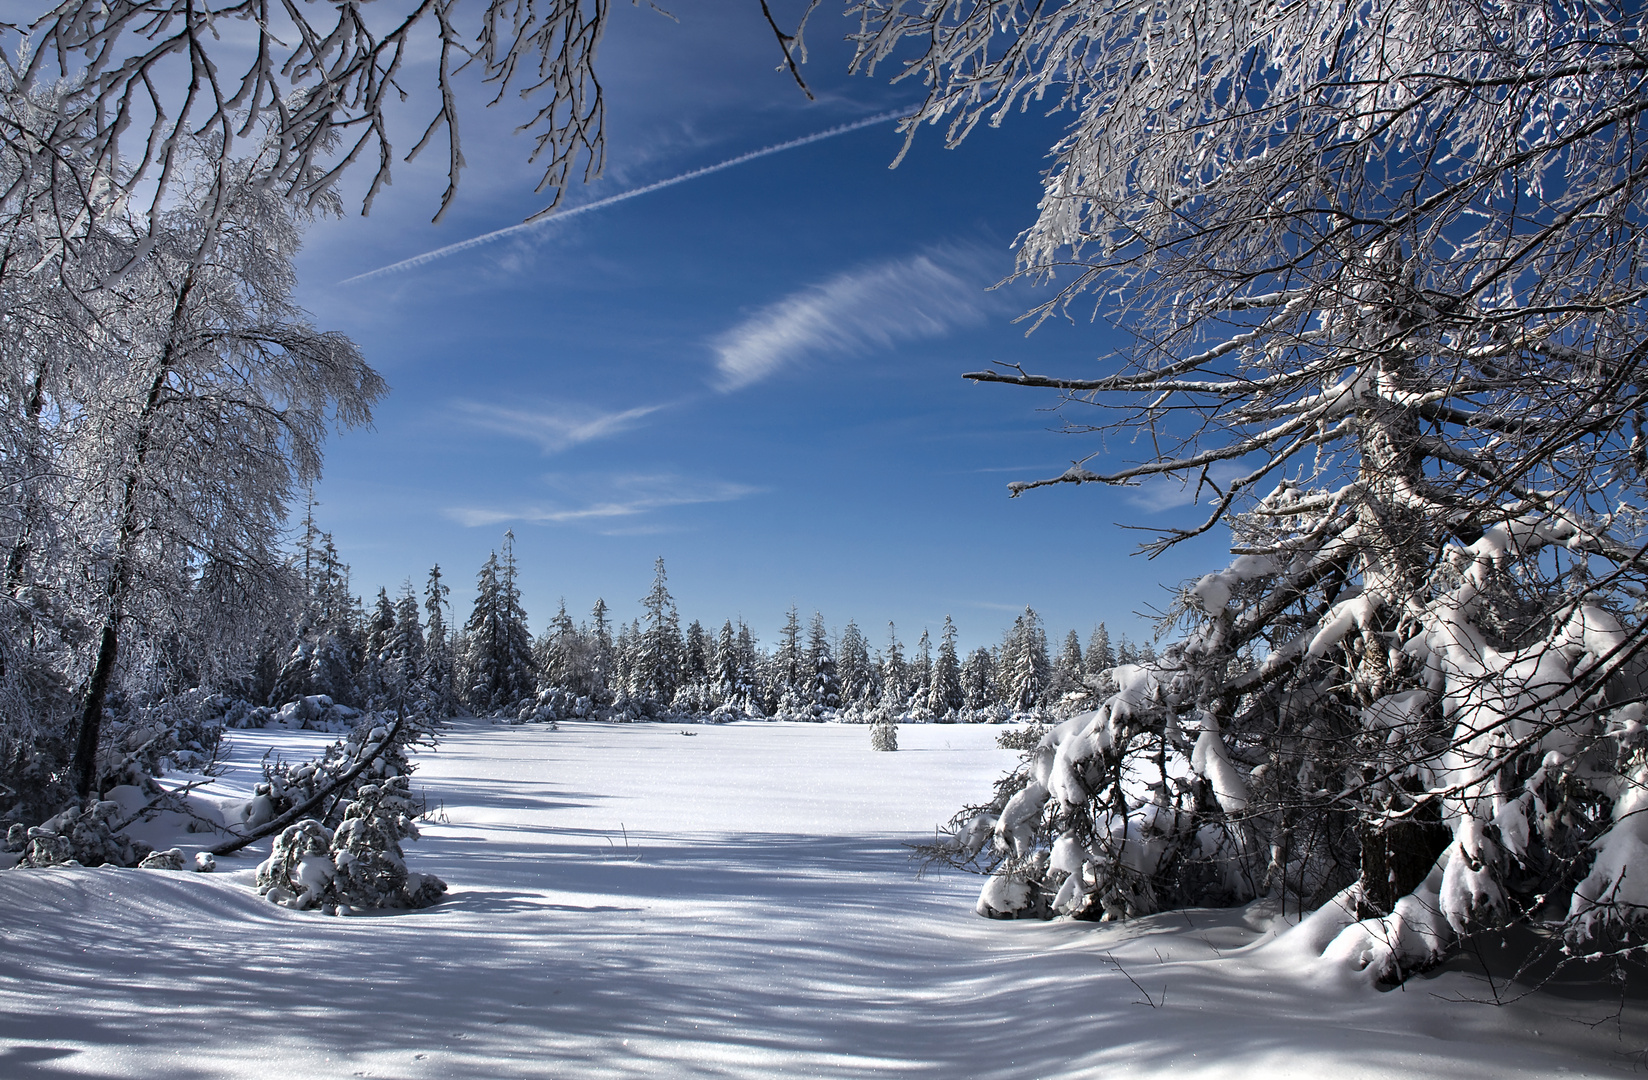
[76, 837]
[359, 865]
[1025, 738]
[884, 736]
[163, 860]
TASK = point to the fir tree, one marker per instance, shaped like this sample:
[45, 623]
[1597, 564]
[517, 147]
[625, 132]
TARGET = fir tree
[1024, 666]
[895, 678]
[498, 656]
[658, 661]
[788, 663]
[405, 655]
[601, 654]
[1066, 674]
[437, 663]
[853, 666]
[978, 679]
[921, 669]
[944, 692]
[699, 654]
[824, 685]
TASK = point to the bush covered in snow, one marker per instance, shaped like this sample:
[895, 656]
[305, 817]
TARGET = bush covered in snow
[884, 736]
[357, 866]
[76, 837]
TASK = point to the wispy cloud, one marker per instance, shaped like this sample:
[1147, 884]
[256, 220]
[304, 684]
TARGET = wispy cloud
[988, 606]
[924, 296]
[1167, 493]
[554, 427]
[598, 500]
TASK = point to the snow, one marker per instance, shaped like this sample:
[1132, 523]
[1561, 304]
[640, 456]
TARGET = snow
[627, 902]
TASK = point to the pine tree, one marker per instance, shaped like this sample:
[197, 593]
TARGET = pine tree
[658, 663]
[438, 654]
[944, 694]
[498, 649]
[1100, 657]
[921, 670]
[380, 634]
[789, 674]
[698, 656]
[853, 666]
[749, 664]
[1098, 663]
[558, 653]
[1024, 663]
[602, 663]
[978, 679]
[725, 681]
[405, 655]
[895, 677]
[1065, 676]
[824, 685]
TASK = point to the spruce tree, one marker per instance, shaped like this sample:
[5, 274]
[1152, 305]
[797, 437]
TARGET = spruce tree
[895, 684]
[658, 660]
[498, 654]
[853, 666]
[978, 679]
[437, 662]
[921, 669]
[824, 685]
[944, 693]
[601, 660]
[405, 655]
[1066, 674]
[789, 664]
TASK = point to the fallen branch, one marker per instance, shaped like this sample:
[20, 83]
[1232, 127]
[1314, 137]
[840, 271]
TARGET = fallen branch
[297, 812]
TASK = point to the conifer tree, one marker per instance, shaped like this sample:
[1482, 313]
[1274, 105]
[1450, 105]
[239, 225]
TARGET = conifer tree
[823, 682]
[380, 633]
[602, 663]
[498, 655]
[1065, 675]
[895, 676]
[921, 669]
[789, 662]
[1024, 663]
[406, 651]
[658, 660]
[853, 666]
[1100, 657]
[978, 679]
[438, 653]
[699, 654]
[944, 694]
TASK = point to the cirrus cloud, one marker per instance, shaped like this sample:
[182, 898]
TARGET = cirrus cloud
[923, 296]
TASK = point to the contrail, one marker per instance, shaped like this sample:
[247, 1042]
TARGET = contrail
[562, 215]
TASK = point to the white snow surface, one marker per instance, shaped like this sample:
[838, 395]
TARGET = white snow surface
[629, 902]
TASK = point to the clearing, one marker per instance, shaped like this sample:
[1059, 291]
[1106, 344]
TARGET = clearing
[653, 900]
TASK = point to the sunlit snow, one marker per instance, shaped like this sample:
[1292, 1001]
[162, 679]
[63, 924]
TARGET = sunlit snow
[653, 900]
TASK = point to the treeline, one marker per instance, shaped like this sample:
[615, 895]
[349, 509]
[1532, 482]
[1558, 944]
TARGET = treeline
[409, 650]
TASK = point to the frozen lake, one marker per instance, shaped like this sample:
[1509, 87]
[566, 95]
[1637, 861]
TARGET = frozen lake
[629, 901]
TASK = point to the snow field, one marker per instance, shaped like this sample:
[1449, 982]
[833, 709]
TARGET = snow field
[632, 901]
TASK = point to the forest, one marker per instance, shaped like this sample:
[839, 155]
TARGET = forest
[1383, 275]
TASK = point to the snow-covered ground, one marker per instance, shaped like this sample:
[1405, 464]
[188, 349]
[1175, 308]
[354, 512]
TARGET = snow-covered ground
[652, 900]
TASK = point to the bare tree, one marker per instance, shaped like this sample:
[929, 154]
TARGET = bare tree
[152, 76]
[1383, 268]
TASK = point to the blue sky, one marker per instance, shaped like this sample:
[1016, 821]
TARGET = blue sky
[754, 374]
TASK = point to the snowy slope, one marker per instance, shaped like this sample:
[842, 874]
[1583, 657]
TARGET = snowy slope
[628, 901]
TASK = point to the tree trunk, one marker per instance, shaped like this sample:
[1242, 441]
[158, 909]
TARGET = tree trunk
[91, 718]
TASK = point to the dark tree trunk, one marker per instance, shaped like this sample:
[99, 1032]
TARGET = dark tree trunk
[91, 719]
